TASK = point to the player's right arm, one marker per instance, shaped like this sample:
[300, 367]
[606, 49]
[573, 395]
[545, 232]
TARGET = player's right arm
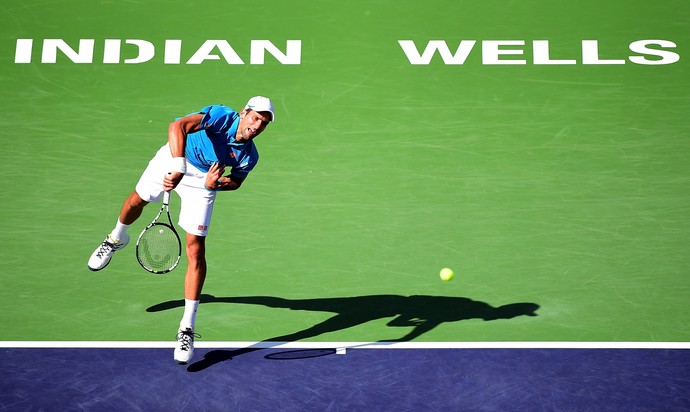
[177, 139]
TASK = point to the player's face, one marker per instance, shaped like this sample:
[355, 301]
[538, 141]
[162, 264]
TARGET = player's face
[251, 124]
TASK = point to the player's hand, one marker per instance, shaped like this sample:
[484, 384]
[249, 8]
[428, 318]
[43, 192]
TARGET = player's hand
[215, 172]
[171, 180]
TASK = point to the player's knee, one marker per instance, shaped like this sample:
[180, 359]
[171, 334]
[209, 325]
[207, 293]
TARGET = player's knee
[136, 202]
[196, 247]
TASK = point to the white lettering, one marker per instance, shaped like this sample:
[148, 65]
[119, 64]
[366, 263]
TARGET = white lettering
[145, 52]
[204, 53]
[22, 53]
[173, 50]
[640, 46]
[111, 51]
[51, 46]
[292, 55]
[541, 54]
[414, 57]
[494, 50]
[590, 54]
[491, 51]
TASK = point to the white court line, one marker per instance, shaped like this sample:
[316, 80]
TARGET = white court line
[349, 345]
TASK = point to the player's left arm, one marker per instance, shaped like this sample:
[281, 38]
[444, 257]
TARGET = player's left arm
[229, 183]
[216, 181]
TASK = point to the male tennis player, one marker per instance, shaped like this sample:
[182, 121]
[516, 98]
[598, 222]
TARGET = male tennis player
[200, 146]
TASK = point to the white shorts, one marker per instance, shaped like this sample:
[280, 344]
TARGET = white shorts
[196, 202]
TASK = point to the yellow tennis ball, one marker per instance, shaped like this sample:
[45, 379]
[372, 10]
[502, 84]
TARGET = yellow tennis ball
[446, 274]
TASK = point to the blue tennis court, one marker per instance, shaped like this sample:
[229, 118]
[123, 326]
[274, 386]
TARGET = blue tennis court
[361, 379]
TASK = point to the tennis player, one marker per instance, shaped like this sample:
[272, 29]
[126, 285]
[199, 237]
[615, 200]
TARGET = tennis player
[200, 146]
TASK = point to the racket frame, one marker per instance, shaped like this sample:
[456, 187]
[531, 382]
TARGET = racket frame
[164, 208]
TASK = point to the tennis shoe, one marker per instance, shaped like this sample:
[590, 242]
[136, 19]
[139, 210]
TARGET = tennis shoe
[185, 345]
[104, 252]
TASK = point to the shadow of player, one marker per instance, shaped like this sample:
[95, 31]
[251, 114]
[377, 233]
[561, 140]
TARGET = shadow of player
[421, 312]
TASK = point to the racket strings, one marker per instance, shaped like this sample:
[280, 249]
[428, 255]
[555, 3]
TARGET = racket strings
[159, 248]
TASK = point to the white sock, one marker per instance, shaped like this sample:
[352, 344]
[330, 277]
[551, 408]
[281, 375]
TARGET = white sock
[119, 231]
[189, 316]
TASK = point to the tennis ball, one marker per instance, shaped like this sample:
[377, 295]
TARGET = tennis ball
[160, 231]
[446, 274]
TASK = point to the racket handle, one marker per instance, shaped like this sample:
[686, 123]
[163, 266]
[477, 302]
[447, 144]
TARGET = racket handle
[166, 195]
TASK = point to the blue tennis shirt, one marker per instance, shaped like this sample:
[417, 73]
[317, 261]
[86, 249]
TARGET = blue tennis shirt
[215, 142]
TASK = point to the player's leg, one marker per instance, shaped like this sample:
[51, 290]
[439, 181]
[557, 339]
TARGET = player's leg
[149, 188]
[130, 212]
[118, 238]
[196, 207]
[193, 283]
[196, 266]
[194, 278]
[132, 208]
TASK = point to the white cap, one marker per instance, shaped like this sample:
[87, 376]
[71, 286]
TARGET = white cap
[261, 104]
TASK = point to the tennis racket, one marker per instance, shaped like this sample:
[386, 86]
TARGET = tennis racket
[159, 247]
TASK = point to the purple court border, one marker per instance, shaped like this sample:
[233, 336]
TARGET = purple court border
[256, 379]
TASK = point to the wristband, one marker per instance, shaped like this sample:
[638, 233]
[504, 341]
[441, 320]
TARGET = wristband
[179, 164]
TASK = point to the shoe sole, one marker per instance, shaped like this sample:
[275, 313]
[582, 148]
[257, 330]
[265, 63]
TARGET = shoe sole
[180, 362]
[104, 266]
